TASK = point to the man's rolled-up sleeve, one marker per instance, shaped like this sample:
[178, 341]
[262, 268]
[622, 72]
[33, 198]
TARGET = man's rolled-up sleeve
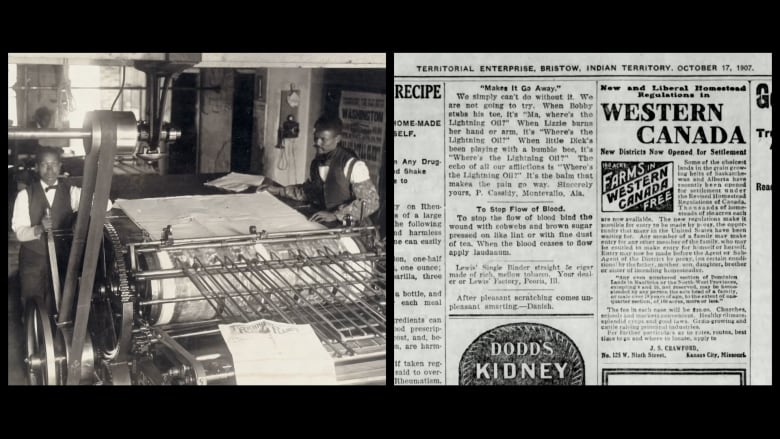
[20, 222]
[364, 191]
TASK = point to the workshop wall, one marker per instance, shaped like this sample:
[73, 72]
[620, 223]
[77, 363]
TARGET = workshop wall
[315, 111]
[288, 165]
[216, 118]
[259, 129]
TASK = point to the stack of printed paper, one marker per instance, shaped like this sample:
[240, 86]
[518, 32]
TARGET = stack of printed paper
[236, 182]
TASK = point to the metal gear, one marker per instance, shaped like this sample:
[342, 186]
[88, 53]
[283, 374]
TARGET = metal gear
[112, 302]
[118, 282]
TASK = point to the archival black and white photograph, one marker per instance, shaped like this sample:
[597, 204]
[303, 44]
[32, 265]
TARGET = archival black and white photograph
[197, 219]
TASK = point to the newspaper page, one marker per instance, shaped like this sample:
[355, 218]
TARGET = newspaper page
[267, 352]
[582, 219]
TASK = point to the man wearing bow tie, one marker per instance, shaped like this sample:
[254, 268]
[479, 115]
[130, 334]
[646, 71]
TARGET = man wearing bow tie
[338, 182]
[44, 205]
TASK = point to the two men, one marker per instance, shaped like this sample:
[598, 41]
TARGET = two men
[339, 183]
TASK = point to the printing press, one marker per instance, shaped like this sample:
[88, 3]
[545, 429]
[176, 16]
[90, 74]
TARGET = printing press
[133, 305]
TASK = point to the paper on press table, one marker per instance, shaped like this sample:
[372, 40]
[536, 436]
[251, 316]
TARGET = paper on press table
[203, 216]
[236, 182]
[268, 352]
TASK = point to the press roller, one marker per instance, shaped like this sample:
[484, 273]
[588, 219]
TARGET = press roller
[167, 299]
[171, 297]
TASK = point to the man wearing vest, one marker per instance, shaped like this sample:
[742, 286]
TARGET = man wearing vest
[339, 182]
[46, 204]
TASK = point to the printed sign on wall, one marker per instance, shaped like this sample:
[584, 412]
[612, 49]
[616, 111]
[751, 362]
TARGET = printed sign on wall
[363, 115]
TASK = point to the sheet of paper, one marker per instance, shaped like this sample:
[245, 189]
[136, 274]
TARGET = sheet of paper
[215, 215]
[268, 352]
[236, 182]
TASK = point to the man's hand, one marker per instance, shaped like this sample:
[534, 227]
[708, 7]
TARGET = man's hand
[273, 190]
[38, 231]
[46, 222]
[324, 216]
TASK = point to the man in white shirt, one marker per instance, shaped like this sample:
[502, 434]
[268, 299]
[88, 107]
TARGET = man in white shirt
[46, 204]
[339, 182]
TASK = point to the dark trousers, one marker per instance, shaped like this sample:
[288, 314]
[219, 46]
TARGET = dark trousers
[34, 277]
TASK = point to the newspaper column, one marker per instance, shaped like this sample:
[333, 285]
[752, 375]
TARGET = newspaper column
[761, 229]
[674, 281]
[521, 203]
[418, 225]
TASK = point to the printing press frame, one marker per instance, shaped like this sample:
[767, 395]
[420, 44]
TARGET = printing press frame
[111, 340]
[348, 316]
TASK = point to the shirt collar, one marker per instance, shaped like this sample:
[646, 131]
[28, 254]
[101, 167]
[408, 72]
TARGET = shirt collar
[324, 159]
[44, 185]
